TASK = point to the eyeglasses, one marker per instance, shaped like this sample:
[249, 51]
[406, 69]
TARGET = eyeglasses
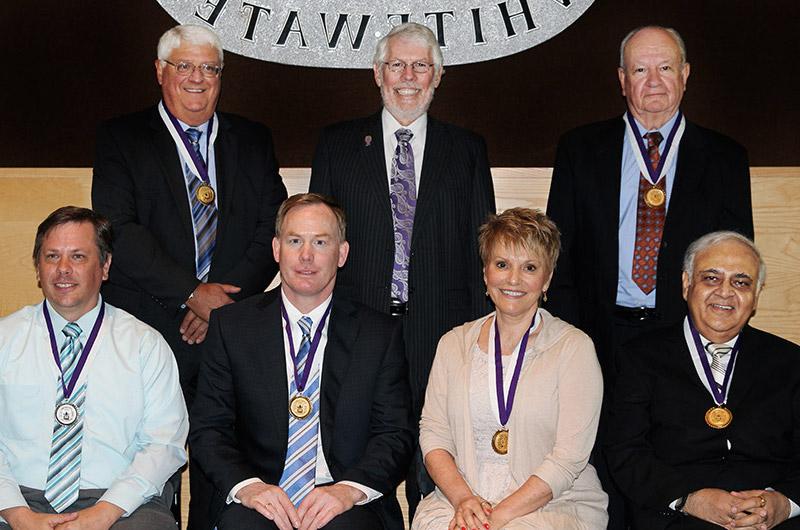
[399, 66]
[186, 68]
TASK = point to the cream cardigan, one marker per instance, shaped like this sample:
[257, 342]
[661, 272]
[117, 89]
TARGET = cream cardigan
[551, 429]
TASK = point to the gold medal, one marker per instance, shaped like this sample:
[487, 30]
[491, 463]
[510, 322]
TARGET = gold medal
[205, 194]
[500, 442]
[655, 197]
[719, 417]
[300, 407]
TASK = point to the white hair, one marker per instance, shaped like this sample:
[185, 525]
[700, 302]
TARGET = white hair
[715, 238]
[410, 31]
[187, 33]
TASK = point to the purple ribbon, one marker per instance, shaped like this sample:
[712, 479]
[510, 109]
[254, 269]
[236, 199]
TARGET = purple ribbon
[199, 163]
[300, 380]
[720, 392]
[505, 408]
[70, 386]
[654, 173]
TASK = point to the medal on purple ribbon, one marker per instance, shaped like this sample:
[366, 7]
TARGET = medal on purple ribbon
[500, 439]
[655, 197]
[66, 413]
[299, 405]
[718, 416]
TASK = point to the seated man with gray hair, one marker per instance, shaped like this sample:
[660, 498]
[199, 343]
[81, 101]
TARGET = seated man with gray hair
[705, 424]
[92, 418]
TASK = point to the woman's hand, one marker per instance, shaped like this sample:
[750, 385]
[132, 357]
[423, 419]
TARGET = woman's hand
[471, 513]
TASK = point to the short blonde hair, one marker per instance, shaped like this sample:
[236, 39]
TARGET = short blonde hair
[523, 228]
[309, 199]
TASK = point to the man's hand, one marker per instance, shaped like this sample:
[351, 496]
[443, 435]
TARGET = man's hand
[98, 517]
[193, 328]
[271, 502]
[23, 518]
[208, 296]
[720, 507]
[776, 508]
[326, 502]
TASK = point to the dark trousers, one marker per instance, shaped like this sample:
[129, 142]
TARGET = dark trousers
[201, 492]
[623, 330]
[153, 515]
[238, 517]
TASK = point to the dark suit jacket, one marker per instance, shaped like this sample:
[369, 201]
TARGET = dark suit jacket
[659, 447]
[455, 195]
[239, 421]
[711, 192]
[139, 185]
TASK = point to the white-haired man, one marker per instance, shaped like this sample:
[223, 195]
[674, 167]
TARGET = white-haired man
[705, 425]
[192, 194]
[415, 191]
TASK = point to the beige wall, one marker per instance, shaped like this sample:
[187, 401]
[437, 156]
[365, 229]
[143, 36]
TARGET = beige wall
[27, 195]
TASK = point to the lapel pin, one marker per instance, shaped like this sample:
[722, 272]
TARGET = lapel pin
[367, 141]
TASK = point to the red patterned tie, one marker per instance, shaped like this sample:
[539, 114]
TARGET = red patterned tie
[649, 223]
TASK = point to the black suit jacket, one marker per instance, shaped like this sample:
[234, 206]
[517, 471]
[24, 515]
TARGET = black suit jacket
[139, 185]
[239, 421]
[659, 447]
[454, 198]
[711, 192]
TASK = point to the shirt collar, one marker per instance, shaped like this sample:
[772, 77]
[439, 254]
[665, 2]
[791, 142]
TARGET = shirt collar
[664, 129]
[390, 124]
[85, 322]
[294, 314]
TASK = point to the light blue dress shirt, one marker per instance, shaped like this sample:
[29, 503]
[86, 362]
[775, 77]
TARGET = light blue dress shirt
[628, 293]
[135, 422]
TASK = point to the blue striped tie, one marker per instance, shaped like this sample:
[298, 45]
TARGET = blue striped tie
[64, 470]
[204, 216]
[299, 471]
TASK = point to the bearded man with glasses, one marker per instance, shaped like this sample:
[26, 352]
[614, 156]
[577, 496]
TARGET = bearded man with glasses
[192, 195]
[415, 191]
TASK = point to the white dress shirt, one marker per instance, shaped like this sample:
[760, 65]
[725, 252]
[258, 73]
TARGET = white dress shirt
[420, 129]
[135, 422]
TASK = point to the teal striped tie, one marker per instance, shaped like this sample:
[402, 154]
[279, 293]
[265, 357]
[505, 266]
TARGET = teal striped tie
[299, 471]
[64, 470]
[203, 215]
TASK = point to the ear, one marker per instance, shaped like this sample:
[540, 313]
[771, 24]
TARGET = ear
[159, 70]
[686, 281]
[276, 249]
[106, 267]
[437, 77]
[377, 71]
[344, 251]
[621, 75]
[546, 285]
[685, 74]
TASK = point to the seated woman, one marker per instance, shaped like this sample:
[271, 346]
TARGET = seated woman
[513, 400]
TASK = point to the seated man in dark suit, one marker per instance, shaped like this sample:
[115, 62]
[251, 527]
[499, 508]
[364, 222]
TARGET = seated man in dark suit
[705, 425]
[302, 415]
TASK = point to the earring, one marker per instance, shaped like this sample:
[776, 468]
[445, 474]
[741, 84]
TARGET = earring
[544, 293]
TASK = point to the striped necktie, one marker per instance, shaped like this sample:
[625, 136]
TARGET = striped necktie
[204, 216]
[299, 470]
[64, 469]
[718, 351]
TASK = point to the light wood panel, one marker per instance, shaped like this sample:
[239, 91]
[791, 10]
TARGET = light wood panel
[29, 194]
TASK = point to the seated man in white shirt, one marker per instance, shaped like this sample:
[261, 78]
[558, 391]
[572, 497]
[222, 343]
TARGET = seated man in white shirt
[302, 413]
[93, 418]
[705, 423]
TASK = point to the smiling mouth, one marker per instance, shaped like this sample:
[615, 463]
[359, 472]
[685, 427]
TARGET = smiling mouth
[723, 307]
[195, 90]
[513, 294]
[407, 91]
[62, 285]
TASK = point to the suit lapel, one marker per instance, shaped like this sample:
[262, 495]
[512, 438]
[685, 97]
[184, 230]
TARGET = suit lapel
[373, 161]
[747, 370]
[172, 168]
[685, 190]
[226, 159]
[609, 174]
[269, 361]
[438, 145]
[343, 330]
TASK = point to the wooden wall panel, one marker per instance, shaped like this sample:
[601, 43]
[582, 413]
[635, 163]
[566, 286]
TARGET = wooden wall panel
[29, 194]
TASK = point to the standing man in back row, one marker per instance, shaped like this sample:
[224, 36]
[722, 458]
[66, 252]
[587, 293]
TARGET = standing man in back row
[629, 195]
[192, 195]
[415, 191]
